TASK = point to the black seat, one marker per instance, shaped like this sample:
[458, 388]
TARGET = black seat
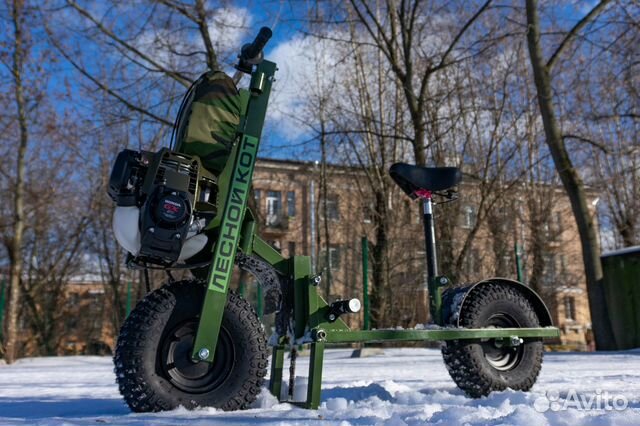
[412, 178]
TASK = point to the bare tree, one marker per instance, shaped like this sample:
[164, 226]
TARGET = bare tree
[398, 30]
[16, 242]
[569, 176]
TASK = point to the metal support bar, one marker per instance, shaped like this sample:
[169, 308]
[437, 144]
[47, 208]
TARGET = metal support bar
[277, 364]
[429, 237]
[234, 183]
[224, 250]
[315, 375]
[436, 284]
[270, 255]
[353, 336]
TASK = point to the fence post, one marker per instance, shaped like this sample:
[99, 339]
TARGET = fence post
[518, 255]
[365, 281]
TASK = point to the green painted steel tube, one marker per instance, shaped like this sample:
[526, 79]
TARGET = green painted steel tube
[365, 282]
[277, 364]
[314, 388]
[224, 251]
[518, 256]
[270, 255]
[234, 183]
[349, 336]
[301, 269]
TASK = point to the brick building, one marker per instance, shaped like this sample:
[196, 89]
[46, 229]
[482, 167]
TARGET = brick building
[298, 219]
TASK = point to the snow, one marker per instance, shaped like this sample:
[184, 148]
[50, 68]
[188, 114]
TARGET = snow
[407, 386]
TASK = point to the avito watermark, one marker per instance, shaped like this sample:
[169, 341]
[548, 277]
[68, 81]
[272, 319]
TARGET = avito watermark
[598, 400]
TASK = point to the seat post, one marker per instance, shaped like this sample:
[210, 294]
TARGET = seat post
[429, 234]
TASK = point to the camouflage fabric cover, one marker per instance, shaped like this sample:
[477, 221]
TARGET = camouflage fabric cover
[211, 118]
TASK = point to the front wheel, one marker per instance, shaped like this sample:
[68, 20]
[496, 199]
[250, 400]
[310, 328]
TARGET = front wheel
[153, 364]
[480, 367]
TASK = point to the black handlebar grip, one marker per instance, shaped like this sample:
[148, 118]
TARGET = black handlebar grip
[252, 50]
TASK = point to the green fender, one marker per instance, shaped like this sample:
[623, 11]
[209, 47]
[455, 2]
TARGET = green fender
[454, 300]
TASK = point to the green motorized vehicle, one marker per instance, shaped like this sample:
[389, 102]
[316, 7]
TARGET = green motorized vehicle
[197, 343]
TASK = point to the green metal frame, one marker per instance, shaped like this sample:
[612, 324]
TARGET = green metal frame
[235, 229]
[313, 328]
[234, 185]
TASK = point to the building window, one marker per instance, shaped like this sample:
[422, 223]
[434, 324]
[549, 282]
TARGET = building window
[570, 308]
[469, 217]
[274, 204]
[563, 265]
[472, 263]
[334, 258]
[557, 223]
[333, 210]
[291, 204]
[550, 273]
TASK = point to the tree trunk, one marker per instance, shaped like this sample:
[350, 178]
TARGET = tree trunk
[325, 210]
[15, 271]
[380, 289]
[572, 183]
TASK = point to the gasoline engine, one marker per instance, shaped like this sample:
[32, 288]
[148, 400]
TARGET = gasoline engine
[164, 201]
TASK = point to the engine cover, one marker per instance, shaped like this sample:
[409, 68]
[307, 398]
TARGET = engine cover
[156, 196]
[164, 224]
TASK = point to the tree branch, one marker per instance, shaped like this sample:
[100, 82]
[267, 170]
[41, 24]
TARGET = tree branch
[103, 87]
[212, 60]
[458, 36]
[574, 31]
[173, 74]
[598, 145]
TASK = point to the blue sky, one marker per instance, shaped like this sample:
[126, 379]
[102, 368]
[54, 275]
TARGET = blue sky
[287, 20]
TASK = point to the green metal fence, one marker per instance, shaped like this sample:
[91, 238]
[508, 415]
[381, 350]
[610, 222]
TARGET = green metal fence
[622, 292]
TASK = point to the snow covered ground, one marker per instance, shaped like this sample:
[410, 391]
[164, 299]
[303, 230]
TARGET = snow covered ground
[403, 386]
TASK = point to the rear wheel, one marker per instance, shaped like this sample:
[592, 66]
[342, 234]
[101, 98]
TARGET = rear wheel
[153, 364]
[480, 367]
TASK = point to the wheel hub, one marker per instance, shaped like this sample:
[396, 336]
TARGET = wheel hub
[193, 376]
[500, 356]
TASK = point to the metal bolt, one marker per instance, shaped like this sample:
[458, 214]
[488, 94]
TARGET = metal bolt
[332, 317]
[317, 279]
[321, 335]
[203, 353]
[516, 341]
[443, 280]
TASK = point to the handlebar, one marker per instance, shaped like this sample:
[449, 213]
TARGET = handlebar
[251, 53]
